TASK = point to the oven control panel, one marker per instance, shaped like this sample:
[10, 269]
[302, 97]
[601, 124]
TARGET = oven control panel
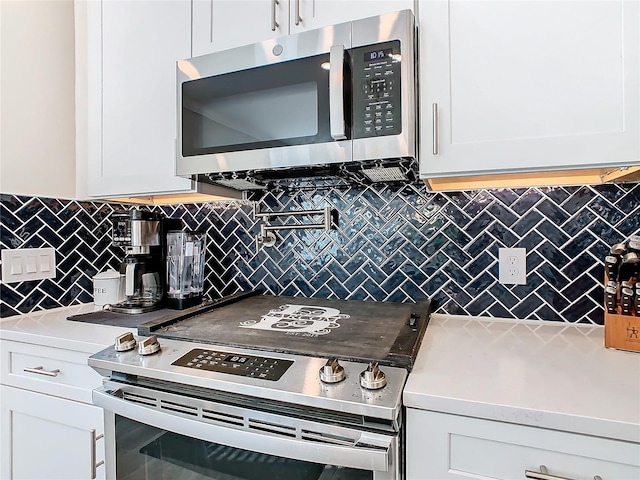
[244, 365]
[376, 97]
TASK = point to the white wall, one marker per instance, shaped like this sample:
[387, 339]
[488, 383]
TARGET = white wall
[37, 100]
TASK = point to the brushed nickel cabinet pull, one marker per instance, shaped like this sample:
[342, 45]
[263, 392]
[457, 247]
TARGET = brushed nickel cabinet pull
[94, 454]
[274, 24]
[434, 112]
[298, 19]
[41, 371]
[544, 474]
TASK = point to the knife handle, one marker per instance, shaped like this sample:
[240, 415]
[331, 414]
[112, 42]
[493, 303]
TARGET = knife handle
[626, 300]
[611, 266]
[611, 299]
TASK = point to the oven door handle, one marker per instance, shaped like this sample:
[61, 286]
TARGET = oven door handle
[372, 452]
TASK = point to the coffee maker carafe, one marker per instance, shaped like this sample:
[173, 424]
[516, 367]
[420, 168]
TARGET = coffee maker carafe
[142, 235]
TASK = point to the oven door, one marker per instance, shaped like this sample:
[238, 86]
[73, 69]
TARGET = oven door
[279, 103]
[151, 434]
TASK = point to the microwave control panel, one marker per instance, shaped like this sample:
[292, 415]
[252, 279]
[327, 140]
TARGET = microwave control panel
[376, 94]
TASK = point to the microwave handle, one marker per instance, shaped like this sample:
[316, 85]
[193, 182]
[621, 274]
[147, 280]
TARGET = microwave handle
[336, 92]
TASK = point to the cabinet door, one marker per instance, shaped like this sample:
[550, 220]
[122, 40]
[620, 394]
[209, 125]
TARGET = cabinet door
[446, 446]
[528, 85]
[321, 13]
[222, 24]
[132, 50]
[49, 438]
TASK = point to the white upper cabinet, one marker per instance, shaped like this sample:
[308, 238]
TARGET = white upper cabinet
[127, 94]
[222, 24]
[321, 13]
[511, 86]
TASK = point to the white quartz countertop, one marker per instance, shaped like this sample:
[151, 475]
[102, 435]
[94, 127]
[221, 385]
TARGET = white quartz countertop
[544, 374]
[51, 328]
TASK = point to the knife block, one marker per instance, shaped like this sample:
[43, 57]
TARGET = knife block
[621, 331]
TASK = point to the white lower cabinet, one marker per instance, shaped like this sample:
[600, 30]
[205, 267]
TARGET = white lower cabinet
[46, 437]
[48, 428]
[443, 446]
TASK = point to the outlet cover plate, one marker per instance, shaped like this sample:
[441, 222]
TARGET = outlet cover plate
[25, 264]
[512, 266]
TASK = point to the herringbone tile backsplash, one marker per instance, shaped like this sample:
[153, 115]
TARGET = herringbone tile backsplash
[390, 243]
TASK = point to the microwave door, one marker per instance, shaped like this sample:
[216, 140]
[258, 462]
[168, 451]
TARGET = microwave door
[278, 114]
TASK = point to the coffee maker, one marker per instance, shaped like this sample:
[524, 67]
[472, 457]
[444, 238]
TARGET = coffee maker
[142, 235]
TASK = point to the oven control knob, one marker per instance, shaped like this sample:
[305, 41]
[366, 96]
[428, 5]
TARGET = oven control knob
[125, 342]
[373, 378]
[148, 345]
[332, 372]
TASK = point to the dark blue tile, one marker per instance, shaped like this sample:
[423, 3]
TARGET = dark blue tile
[578, 200]
[530, 241]
[505, 195]
[456, 254]
[553, 254]
[630, 225]
[457, 294]
[526, 223]
[414, 273]
[547, 313]
[579, 244]
[554, 298]
[478, 265]
[606, 210]
[579, 288]
[552, 275]
[630, 202]
[578, 310]
[479, 286]
[392, 263]
[525, 309]
[533, 282]
[526, 202]
[480, 305]
[434, 245]
[456, 273]
[480, 244]
[557, 194]
[452, 308]
[502, 234]
[456, 215]
[479, 224]
[552, 233]
[498, 311]
[504, 296]
[434, 283]
[434, 264]
[503, 214]
[456, 235]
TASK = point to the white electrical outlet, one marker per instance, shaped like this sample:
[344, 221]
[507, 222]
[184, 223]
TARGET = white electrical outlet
[512, 266]
[24, 264]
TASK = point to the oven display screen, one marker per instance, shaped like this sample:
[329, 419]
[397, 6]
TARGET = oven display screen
[236, 359]
[373, 55]
[264, 368]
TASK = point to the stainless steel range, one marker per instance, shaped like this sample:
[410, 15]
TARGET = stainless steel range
[261, 387]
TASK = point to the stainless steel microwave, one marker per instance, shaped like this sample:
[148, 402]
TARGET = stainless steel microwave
[340, 94]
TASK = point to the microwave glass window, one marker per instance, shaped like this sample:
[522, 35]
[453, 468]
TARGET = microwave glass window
[276, 105]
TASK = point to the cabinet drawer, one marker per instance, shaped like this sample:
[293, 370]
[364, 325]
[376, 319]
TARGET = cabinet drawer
[54, 371]
[449, 446]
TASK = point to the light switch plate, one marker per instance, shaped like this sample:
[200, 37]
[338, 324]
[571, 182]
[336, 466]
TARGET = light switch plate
[24, 264]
